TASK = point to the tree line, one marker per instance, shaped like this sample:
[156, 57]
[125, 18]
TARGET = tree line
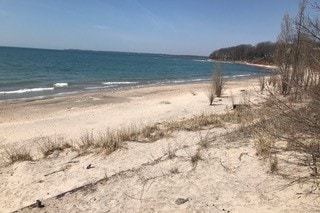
[262, 52]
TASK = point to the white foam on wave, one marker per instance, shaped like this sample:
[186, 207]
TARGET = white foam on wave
[198, 79]
[185, 81]
[200, 60]
[60, 84]
[244, 75]
[20, 91]
[177, 81]
[119, 83]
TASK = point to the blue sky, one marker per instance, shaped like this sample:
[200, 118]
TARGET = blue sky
[194, 27]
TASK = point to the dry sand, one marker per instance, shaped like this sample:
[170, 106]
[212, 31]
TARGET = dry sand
[70, 117]
[142, 177]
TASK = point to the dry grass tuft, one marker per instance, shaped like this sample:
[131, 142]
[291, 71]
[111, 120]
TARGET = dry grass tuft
[106, 142]
[174, 170]
[153, 133]
[13, 155]
[110, 141]
[195, 123]
[273, 161]
[264, 144]
[211, 95]
[86, 141]
[171, 153]
[127, 134]
[204, 141]
[244, 115]
[49, 146]
[196, 158]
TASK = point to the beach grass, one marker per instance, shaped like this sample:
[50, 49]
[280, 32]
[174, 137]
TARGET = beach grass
[49, 146]
[112, 140]
[195, 158]
[14, 155]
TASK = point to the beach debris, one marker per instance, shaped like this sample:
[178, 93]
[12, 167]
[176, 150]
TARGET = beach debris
[89, 166]
[225, 210]
[60, 170]
[39, 204]
[180, 200]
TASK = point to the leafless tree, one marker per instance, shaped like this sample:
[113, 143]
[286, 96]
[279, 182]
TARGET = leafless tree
[298, 60]
[283, 55]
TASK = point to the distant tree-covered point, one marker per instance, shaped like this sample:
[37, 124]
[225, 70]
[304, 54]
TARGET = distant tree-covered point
[261, 53]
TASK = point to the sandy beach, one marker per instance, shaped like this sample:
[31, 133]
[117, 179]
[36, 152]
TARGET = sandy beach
[141, 177]
[72, 116]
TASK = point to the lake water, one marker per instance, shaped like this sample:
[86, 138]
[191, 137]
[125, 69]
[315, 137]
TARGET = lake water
[38, 73]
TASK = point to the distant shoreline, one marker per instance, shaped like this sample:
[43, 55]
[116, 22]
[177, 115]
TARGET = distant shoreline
[267, 66]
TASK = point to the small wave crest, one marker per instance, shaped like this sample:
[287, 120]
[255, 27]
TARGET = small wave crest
[119, 83]
[60, 84]
[239, 76]
[180, 81]
[200, 60]
[20, 91]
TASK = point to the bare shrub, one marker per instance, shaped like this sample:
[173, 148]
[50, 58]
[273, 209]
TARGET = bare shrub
[296, 123]
[273, 79]
[263, 144]
[262, 83]
[217, 84]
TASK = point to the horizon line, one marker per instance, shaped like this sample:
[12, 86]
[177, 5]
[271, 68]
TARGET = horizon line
[115, 51]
